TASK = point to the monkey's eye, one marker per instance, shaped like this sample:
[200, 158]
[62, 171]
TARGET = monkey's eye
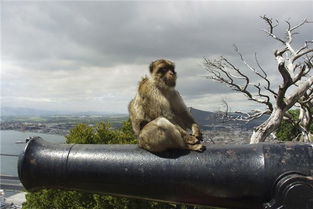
[162, 70]
[171, 68]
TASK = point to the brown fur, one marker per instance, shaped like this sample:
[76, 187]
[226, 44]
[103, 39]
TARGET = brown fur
[158, 114]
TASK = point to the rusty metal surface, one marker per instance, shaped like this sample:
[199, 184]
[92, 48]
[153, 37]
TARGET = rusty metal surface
[241, 176]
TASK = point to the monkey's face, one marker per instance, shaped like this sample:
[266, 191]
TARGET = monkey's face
[168, 75]
[163, 72]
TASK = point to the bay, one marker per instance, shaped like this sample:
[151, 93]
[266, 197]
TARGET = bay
[8, 139]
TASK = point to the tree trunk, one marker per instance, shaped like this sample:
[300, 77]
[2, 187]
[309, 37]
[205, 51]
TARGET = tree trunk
[261, 132]
[305, 137]
[305, 123]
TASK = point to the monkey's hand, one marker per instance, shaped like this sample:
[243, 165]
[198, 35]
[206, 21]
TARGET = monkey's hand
[190, 139]
[196, 132]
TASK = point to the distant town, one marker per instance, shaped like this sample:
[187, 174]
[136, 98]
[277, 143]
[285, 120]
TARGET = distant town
[214, 128]
[59, 125]
[59, 129]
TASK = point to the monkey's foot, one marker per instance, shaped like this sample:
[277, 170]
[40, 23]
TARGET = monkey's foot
[197, 147]
[198, 136]
[189, 139]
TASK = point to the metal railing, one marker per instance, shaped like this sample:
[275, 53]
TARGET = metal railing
[233, 176]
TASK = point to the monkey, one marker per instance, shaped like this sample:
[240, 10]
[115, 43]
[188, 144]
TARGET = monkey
[158, 114]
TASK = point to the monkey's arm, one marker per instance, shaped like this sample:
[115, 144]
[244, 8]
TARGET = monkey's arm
[186, 118]
[136, 115]
[138, 125]
[190, 122]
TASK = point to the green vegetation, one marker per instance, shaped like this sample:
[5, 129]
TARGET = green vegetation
[102, 133]
[58, 199]
[287, 131]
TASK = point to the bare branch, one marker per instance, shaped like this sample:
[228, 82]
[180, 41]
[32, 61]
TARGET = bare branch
[239, 72]
[268, 87]
[306, 45]
[264, 77]
[271, 28]
[280, 52]
[289, 39]
[297, 56]
[307, 98]
[309, 62]
[218, 71]
[285, 74]
[258, 63]
[255, 114]
[293, 98]
[215, 67]
[300, 24]
[291, 34]
[260, 94]
[267, 98]
[244, 61]
[303, 72]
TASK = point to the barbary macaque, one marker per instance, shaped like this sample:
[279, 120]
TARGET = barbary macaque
[159, 117]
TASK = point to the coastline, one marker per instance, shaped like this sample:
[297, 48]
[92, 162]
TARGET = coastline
[45, 128]
[10, 149]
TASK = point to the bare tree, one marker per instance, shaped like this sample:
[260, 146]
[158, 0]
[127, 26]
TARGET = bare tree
[295, 68]
[306, 116]
[224, 114]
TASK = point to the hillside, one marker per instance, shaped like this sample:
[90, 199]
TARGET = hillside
[206, 119]
[213, 120]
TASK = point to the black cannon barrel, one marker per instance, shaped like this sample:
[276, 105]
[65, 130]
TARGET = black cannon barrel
[241, 176]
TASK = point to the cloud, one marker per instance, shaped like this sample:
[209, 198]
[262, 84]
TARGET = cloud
[86, 86]
[108, 33]
[76, 54]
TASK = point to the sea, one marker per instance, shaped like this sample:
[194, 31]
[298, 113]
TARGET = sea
[11, 147]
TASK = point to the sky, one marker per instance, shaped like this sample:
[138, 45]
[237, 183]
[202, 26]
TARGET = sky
[83, 56]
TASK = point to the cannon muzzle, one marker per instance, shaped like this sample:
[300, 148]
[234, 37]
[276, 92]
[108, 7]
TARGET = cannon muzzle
[234, 176]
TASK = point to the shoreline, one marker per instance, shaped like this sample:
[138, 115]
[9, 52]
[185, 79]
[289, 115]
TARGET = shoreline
[56, 133]
[40, 131]
[44, 128]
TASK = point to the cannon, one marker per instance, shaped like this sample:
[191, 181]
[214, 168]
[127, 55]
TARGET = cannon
[256, 176]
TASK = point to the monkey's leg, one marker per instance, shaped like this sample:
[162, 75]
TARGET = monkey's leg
[196, 147]
[159, 135]
[196, 131]
[189, 139]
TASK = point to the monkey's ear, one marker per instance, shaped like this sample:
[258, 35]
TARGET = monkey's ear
[151, 67]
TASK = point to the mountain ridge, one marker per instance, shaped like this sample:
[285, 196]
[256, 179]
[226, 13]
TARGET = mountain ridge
[214, 120]
[23, 111]
[206, 119]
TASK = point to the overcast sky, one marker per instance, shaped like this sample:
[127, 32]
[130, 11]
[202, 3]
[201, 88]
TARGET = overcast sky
[89, 56]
